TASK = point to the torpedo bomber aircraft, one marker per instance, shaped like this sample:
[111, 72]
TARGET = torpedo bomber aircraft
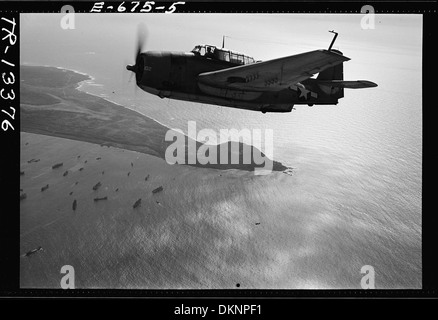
[223, 77]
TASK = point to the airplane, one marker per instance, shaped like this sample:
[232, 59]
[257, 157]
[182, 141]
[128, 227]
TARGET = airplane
[223, 77]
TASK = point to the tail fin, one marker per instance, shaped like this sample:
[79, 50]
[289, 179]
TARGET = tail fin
[333, 73]
[334, 77]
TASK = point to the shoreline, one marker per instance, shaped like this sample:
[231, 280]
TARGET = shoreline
[92, 78]
[79, 115]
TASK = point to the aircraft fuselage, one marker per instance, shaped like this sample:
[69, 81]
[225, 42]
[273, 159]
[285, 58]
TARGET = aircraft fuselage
[174, 75]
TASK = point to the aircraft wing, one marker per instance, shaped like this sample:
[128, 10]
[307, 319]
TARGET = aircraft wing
[272, 75]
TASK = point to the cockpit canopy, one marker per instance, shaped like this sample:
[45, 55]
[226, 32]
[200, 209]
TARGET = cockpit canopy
[222, 54]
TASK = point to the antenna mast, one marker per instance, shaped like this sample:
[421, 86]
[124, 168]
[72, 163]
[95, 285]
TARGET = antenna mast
[333, 41]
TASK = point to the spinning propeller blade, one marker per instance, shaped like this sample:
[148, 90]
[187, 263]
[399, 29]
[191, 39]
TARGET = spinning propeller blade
[141, 41]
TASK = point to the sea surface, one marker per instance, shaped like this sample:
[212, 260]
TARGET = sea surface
[354, 197]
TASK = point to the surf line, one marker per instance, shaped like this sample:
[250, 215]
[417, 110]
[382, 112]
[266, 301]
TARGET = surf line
[90, 81]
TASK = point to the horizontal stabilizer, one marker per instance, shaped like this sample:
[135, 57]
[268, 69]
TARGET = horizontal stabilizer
[358, 84]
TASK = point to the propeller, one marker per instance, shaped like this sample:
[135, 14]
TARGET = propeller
[141, 41]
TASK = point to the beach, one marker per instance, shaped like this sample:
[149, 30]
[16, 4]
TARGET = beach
[55, 107]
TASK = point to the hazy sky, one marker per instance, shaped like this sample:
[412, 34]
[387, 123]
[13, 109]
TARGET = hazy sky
[262, 36]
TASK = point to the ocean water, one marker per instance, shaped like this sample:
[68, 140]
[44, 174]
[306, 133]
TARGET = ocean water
[354, 198]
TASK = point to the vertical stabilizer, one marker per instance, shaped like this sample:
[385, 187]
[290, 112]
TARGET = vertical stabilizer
[332, 73]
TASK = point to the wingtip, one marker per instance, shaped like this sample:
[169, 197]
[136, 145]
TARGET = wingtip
[368, 84]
